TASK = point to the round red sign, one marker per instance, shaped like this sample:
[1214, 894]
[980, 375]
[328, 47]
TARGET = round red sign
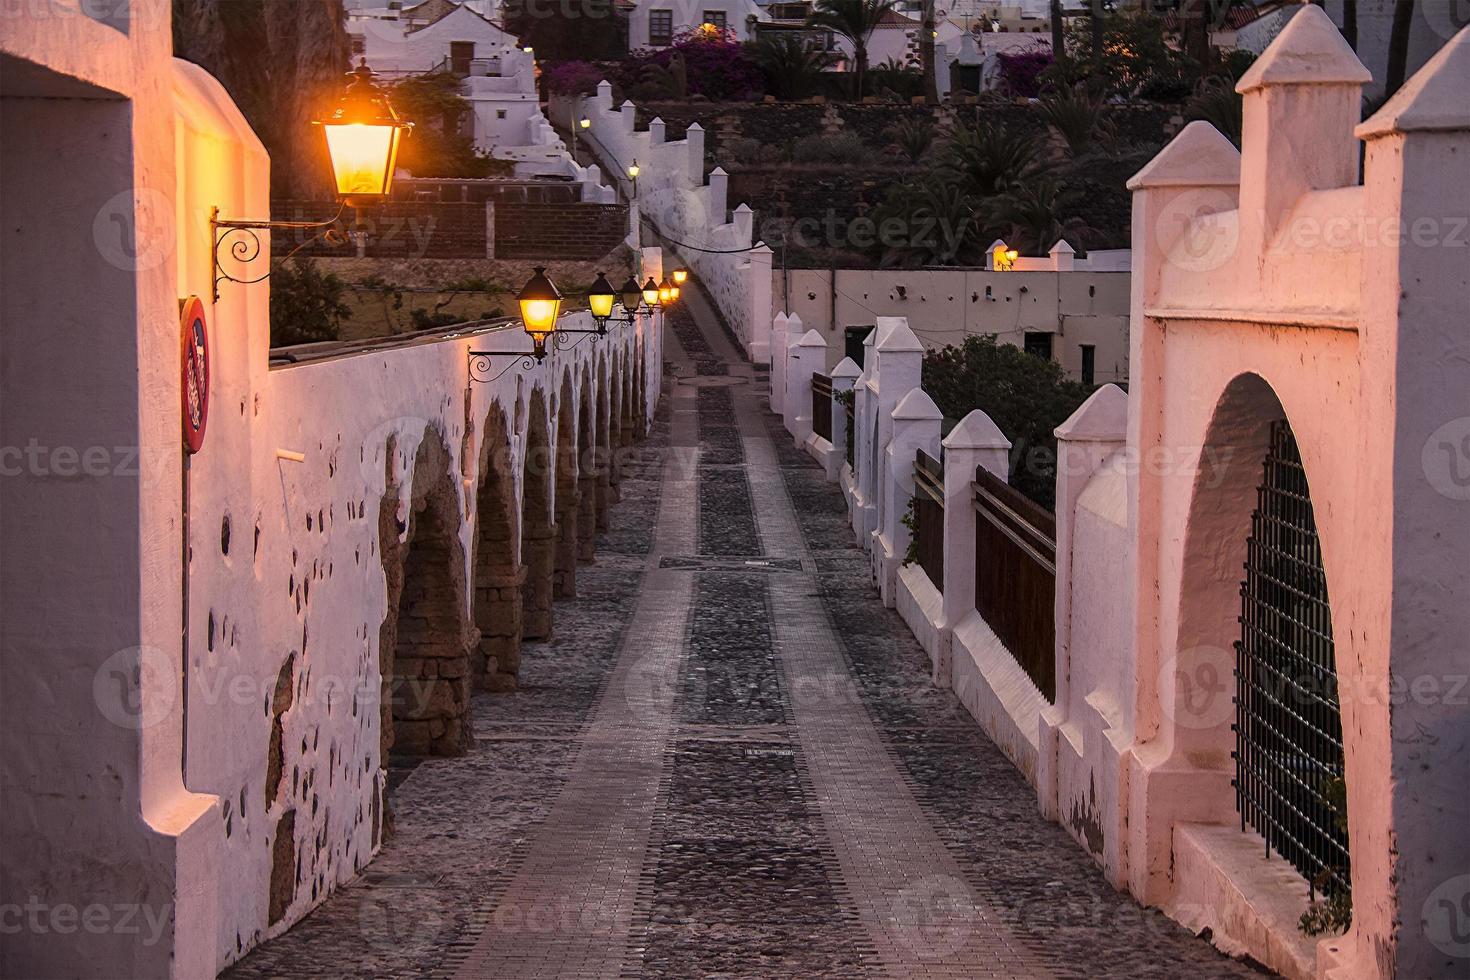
[195, 368]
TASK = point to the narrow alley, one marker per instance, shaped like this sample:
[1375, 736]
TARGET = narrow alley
[729, 761]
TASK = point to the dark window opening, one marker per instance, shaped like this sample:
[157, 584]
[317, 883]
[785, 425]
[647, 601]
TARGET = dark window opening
[1089, 364]
[1039, 344]
[660, 28]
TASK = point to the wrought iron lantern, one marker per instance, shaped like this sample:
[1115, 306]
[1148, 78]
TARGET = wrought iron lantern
[651, 294]
[681, 275]
[666, 293]
[632, 295]
[362, 138]
[540, 303]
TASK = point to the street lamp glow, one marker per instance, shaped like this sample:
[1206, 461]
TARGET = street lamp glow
[540, 303]
[665, 293]
[680, 275]
[362, 136]
[651, 294]
[600, 301]
[585, 122]
[633, 170]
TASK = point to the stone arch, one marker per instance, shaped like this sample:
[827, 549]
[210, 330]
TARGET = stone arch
[603, 452]
[538, 533]
[1199, 689]
[615, 426]
[568, 493]
[425, 640]
[587, 479]
[497, 574]
[641, 396]
[629, 388]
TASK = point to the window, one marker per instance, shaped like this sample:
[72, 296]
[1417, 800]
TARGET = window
[1089, 364]
[715, 17]
[1039, 344]
[359, 43]
[461, 53]
[660, 28]
[499, 113]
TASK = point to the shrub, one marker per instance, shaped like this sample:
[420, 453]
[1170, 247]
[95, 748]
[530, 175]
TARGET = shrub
[1076, 116]
[307, 305]
[1024, 395]
[791, 69]
[714, 66]
[1021, 73]
[911, 138]
[574, 78]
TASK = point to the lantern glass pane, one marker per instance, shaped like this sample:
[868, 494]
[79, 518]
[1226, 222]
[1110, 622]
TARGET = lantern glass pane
[539, 315]
[362, 157]
[601, 303]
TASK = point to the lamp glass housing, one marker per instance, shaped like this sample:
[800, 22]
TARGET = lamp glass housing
[601, 298]
[632, 296]
[540, 303]
[585, 122]
[651, 293]
[363, 134]
[633, 169]
[665, 293]
[681, 274]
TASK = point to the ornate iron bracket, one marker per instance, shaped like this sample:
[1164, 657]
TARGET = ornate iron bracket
[246, 247]
[481, 361]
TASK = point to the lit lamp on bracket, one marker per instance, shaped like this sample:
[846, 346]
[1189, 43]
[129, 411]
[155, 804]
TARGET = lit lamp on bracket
[540, 303]
[363, 134]
[651, 294]
[633, 172]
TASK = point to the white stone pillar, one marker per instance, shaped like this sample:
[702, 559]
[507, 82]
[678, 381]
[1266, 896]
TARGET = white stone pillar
[695, 138]
[844, 376]
[757, 330]
[656, 131]
[744, 221]
[629, 120]
[1063, 256]
[717, 198]
[916, 422]
[808, 356]
[1094, 432]
[862, 453]
[1302, 98]
[603, 102]
[778, 362]
[976, 443]
[898, 367]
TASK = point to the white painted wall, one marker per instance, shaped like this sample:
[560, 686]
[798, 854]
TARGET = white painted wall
[943, 306]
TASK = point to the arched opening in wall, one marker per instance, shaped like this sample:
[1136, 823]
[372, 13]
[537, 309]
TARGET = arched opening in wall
[1289, 765]
[425, 639]
[1255, 695]
[615, 430]
[568, 494]
[642, 397]
[538, 536]
[497, 574]
[604, 449]
[587, 470]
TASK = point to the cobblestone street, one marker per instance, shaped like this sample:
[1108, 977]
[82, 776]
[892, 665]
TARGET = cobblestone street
[728, 761]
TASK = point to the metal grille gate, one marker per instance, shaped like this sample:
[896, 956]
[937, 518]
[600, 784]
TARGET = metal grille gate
[1288, 727]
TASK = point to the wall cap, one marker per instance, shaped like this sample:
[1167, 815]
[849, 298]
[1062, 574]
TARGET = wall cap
[846, 368]
[1200, 156]
[976, 431]
[1102, 418]
[1310, 50]
[1434, 99]
[811, 339]
[898, 338]
[917, 406]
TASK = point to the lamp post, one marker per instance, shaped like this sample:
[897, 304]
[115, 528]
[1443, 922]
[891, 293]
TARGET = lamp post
[362, 134]
[633, 172]
[582, 123]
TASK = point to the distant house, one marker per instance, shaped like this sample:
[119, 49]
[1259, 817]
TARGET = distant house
[656, 23]
[498, 78]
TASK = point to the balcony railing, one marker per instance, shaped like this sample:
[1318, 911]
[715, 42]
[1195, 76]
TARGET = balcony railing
[929, 516]
[1016, 576]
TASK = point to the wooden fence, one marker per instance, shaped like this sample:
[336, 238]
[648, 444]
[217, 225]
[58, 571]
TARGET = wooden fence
[822, 406]
[1016, 576]
[929, 516]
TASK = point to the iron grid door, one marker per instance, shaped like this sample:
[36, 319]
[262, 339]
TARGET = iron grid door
[1288, 725]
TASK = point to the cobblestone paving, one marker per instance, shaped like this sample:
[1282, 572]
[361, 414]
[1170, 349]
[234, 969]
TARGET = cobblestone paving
[728, 762]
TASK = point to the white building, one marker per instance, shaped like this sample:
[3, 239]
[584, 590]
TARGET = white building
[656, 23]
[499, 78]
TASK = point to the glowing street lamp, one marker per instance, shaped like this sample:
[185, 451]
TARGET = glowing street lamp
[651, 294]
[600, 300]
[363, 134]
[540, 303]
[632, 296]
[665, 292]
[633, 172]
[681, 274]
[362, 137]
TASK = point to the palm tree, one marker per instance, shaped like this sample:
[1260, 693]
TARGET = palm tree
[1030, 215]
[855, 20]
[791, 68]
[987, 158]
[310, 53]
[937, 219]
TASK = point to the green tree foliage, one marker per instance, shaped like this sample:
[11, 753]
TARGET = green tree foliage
[1217, 103]
[986, 158]
[1032, 214]
[911, 138]
[307, 305]
[1026, 397]
[438, 147]
[855, 20]
[928, 221]
[1077, 116]
[791, 69]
